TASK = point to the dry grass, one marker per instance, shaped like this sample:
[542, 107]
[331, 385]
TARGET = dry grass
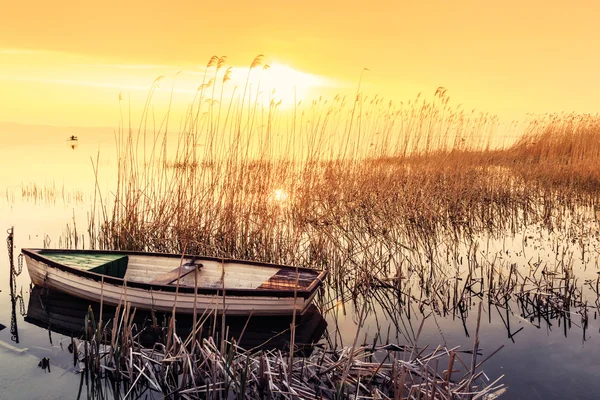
[561, 151]
[355, 188]
[114, 364]
[367, 190]
[49, 194]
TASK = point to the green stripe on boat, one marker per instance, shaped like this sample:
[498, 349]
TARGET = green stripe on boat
[107, 264]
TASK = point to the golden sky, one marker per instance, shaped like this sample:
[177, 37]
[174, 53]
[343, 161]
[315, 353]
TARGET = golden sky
[64, 62]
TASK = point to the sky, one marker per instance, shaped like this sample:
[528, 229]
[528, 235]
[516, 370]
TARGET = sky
[66, 62]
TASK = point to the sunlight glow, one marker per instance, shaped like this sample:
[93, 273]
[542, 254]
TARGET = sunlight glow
[281, 83]
[44, 84]
[279, 195]
[287, 83]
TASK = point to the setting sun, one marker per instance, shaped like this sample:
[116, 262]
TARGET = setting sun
[287, 84]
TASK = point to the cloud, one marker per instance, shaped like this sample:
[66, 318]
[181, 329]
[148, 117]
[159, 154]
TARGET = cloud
[21, 51]
[73, 82]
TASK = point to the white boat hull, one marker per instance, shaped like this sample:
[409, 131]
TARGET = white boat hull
[45, 275]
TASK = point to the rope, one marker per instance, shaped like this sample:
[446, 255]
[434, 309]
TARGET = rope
[22, 309]
[14, 272]
[9, 245]
[19, 264]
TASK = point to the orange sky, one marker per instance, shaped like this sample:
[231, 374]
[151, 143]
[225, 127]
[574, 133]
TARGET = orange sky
[64, 62]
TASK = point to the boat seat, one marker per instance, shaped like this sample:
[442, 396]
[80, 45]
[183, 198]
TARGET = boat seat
[115, 268]
[114, 265]
[171, 276]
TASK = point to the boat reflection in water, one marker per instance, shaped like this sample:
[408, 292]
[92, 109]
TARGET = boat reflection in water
[65, 314]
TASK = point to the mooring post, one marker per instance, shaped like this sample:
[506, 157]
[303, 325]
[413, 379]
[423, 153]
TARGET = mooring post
[13, 286]
[11, 261]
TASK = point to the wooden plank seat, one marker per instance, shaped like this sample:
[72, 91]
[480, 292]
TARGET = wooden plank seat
[285, 279]
[171, 276]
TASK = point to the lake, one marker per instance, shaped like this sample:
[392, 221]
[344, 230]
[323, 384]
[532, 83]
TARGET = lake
[547, 322]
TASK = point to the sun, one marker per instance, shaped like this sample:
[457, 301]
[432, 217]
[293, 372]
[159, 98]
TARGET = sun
[287, 84]
[282, 83]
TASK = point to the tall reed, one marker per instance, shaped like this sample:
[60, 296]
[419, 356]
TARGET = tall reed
[365, 188]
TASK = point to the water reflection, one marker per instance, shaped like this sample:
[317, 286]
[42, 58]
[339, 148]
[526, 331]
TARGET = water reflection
[73, 140]
[15, 299]
[552, 302]
[65, 314]
[14, 329]
[543, 320]
[541, 311]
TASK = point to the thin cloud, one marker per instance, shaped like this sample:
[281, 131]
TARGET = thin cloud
[25, 51]
[72, 82]
[125, 66]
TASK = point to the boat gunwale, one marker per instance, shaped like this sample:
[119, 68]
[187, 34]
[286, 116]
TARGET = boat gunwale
[35, 253]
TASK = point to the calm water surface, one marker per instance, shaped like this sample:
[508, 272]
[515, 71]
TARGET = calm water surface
[538, 362]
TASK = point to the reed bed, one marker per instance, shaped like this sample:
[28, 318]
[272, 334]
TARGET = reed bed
[560, 150]
[48, 194]
[116, 364]
[538, 295]
[367, 189]
[246, 180]
[406, 205]
[324, 375]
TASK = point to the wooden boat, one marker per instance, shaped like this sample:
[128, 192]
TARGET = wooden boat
[161, 281]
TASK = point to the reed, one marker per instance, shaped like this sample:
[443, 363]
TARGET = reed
[48, 194]
[424, 179]
[560, 150]
[401, 203]
[192, 368]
